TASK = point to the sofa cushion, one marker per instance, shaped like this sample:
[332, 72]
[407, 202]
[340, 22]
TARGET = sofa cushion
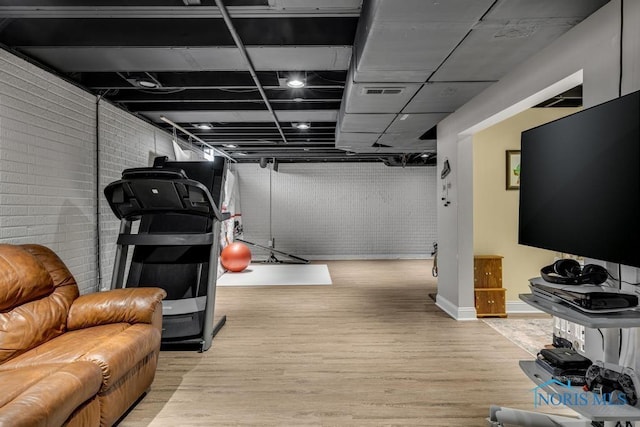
[86, 415]
[46, 395]
[36, 291]
[114, 348]
[22, 276]
[129, 305]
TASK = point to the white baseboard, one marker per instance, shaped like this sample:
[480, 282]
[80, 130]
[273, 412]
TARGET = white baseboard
[514, 307]
[458, 313]
[469, 313]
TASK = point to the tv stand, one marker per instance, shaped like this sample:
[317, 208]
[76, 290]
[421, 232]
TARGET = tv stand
[591, 411]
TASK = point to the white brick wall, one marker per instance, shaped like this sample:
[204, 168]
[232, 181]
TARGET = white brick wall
[48, 184]
[336, 210]
[47, 157]
[125, 142]
[48, 165]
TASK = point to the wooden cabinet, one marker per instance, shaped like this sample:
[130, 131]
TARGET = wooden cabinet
[490, 302]
[487, 271]
[487, 280]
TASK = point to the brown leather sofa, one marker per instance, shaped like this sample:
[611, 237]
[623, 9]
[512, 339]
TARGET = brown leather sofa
[67, 359]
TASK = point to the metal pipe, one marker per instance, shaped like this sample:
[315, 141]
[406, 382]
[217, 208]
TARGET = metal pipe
[252, 71]
[181, 129]
[98, 194]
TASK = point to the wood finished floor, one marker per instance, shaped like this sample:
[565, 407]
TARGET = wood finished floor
[371, 350]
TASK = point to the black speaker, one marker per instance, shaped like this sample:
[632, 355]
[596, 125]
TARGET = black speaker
[569, 272]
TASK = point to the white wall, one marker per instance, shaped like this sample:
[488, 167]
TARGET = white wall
[125, 142]
[48, 165]
[339, 211]
[48, 184]
[47, 161]
[588, 52]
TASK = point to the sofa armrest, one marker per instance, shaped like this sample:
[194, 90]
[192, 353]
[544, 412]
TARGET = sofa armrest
[130, 305]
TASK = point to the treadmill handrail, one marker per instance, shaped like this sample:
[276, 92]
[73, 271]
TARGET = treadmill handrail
[167, 173]
[165, 239]
[138, 211]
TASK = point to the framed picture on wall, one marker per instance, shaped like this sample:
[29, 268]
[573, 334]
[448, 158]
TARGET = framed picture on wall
[513, 169]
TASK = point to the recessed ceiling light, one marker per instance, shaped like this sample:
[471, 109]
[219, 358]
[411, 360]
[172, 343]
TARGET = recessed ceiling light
[241, 153]
[425, 155]
[230, 145]
[147, 84]
[203, 126]
[298, 99]
[302, 125]
[295, 82]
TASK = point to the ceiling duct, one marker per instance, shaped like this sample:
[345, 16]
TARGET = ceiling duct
[414, 61]
[398, 46]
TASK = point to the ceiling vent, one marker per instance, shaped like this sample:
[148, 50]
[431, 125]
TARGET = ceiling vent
[382, 90]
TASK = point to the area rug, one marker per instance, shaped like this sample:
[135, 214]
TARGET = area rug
[528, 334]
[278, 275]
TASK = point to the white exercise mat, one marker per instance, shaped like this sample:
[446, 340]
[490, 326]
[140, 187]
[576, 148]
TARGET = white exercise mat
[278, 274]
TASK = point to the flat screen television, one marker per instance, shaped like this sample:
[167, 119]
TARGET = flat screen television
[580, 183]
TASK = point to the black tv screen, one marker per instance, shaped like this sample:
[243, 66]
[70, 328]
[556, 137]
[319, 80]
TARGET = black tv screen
[580, 183]
[208, 173]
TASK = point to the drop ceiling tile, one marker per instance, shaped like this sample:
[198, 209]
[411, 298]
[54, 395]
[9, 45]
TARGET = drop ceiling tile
[369, 123]
[411, 50]
[416, 124]
[431, 11]
[348, 140]
[444, 96]
[488, 53]
[394, 76]
[522, 9]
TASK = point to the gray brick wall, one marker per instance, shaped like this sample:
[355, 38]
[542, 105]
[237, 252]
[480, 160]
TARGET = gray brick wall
[340, 211]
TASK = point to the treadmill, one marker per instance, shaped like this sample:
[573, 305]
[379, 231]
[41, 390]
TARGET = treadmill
[177, 242]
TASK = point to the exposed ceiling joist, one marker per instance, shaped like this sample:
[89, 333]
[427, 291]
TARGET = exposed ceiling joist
[380, 74]
[180, 12]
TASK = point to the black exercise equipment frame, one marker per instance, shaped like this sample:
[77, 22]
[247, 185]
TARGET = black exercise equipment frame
[176, 193]
[272, 258]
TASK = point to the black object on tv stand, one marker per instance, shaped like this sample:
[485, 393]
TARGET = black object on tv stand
[610, 415]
